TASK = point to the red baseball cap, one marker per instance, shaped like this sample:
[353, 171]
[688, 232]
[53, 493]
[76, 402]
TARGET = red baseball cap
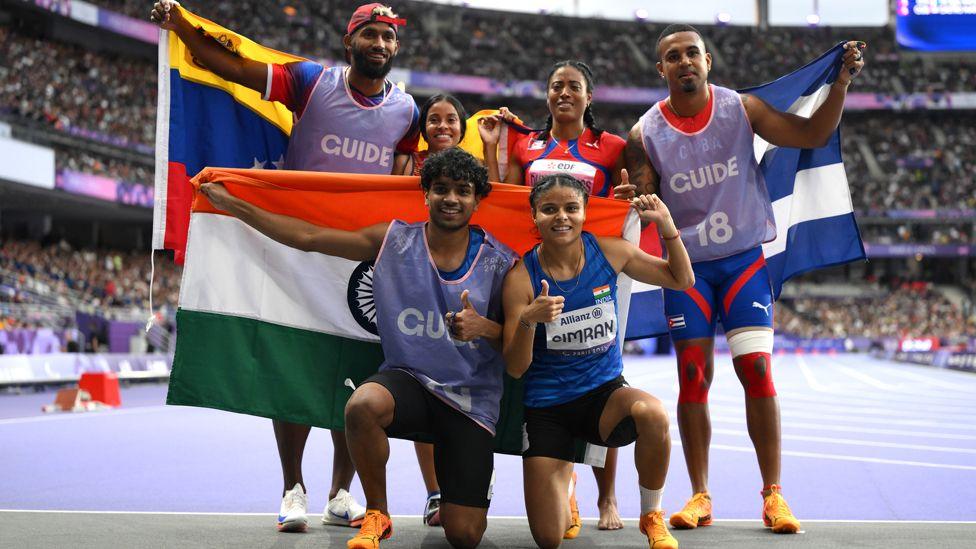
[369, 13]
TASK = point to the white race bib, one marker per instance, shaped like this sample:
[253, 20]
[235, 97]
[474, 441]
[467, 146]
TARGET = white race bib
[580, 170]
[583, 329]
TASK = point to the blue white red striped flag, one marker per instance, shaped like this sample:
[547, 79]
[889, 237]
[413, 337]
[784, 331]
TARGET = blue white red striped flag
[811, 198]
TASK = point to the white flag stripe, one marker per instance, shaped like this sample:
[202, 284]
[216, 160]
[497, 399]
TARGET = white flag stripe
[804, 106]
[161, 183]
[625, 284]
[817, 193]
[642, 287]
[236, 270]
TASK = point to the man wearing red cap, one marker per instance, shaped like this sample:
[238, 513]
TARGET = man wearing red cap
[347, 120]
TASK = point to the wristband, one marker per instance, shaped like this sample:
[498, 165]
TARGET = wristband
[525, 324]
[676, 235]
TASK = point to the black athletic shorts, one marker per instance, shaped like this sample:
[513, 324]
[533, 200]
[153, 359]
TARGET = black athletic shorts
[464, 452]
[552, 431]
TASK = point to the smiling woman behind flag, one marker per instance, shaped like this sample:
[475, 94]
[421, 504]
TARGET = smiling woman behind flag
[570, 143]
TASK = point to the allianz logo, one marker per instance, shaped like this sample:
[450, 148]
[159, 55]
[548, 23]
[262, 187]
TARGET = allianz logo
[704, 176]
[356, 149]
[414, 322]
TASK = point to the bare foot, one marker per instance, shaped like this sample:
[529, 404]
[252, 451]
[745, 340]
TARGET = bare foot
[609, 517]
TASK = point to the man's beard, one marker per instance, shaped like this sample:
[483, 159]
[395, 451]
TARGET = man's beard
[367, 68]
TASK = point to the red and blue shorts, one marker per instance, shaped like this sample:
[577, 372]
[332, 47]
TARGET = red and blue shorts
[734, 289]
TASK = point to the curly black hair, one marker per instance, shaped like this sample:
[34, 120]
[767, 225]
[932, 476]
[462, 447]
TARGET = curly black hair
[456, 164]
[557, 180]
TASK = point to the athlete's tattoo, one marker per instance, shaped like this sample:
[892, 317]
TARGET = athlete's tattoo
[639, 169]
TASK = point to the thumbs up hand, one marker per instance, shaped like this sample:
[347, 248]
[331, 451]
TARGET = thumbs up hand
[466, 324]
[544, 308]
[625, 190]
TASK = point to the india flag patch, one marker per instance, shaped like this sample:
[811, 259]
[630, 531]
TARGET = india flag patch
[601, 292]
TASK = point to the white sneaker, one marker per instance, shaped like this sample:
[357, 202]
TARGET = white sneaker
[343, 510]
[294, 507]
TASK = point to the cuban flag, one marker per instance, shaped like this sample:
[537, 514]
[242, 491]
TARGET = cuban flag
[815, 225]
[646, 317]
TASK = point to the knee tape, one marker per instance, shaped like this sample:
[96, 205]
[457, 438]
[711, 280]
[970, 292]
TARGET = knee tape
[693, 387]
[752, 356]
[755, 371]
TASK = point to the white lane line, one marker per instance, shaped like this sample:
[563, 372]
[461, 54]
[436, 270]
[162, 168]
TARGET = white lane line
[855, 429]
[856, 374]
[903, 404]
[490, 517]
[932, 380]
[852, 442]
[808, 375]
[874, 410]
[855, 405]
[853, 418]
[838, 457]
[79, 415]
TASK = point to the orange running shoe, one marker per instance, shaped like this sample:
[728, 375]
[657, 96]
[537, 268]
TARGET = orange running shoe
[575, 524]
[653, 526]
[375, 528]
[777, 514]
[697, 512]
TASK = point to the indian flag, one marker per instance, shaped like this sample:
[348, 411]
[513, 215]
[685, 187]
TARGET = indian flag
[268, 330]
[601, 292]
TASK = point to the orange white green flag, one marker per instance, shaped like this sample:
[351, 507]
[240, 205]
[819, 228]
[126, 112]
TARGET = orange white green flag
[268, 330]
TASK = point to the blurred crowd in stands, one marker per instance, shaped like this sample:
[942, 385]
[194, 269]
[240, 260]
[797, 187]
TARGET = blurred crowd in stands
[518, 46]
[904, 310]
[893, 160]
[922, 162]
[58, 274]
[66, 86]
[68, 158]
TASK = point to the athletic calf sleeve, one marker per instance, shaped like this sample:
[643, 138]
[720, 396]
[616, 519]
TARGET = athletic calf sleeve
[650, 500]
[692, 385]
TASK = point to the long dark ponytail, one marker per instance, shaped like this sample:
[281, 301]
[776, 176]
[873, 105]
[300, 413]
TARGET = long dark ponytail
[588, 119]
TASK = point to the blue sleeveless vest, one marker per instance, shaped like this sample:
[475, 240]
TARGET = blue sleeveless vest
[578, 351]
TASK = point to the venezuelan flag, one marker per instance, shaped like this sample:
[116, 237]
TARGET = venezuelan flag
[203, 120]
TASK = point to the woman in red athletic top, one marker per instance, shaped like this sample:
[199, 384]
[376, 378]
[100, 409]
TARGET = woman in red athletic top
[442, 124]
[570, 143]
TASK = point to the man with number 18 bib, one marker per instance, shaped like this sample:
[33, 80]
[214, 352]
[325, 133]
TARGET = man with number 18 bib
[695, 149]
